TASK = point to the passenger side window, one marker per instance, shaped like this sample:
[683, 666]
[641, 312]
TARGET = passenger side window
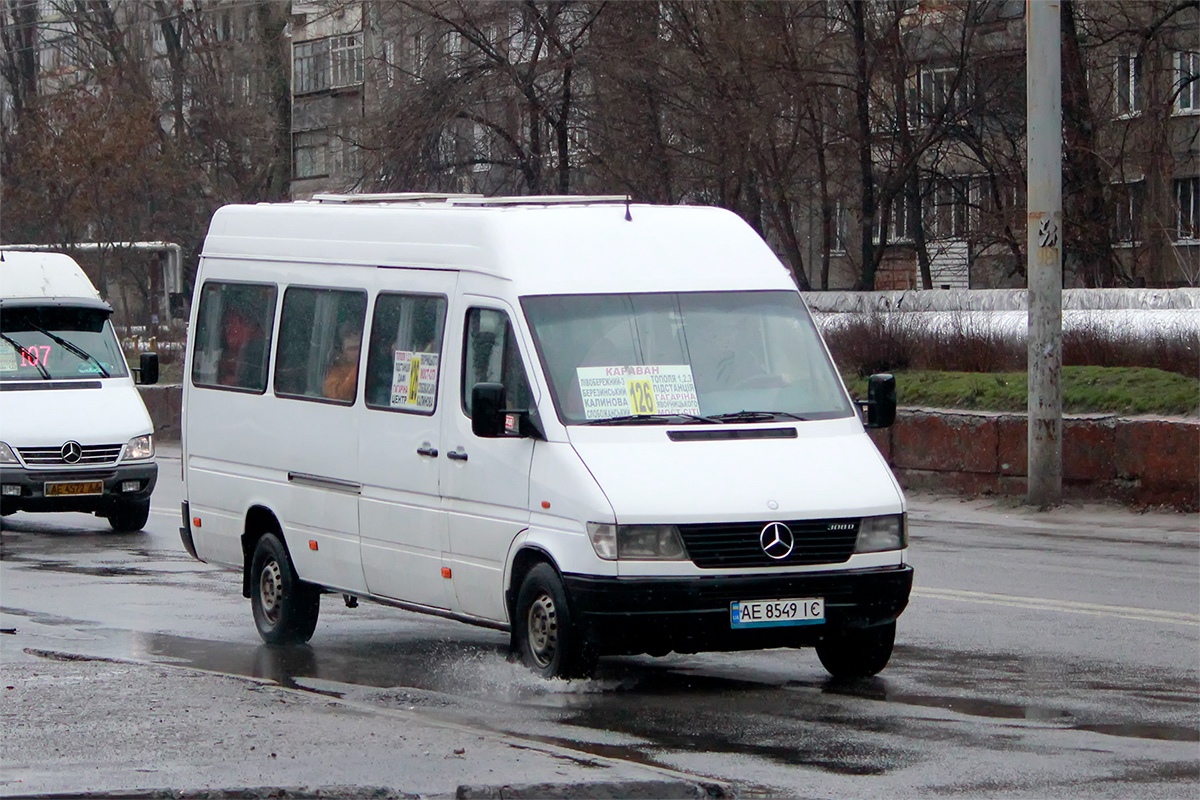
[405, 353]
[232, 344]
[320, 339]
[491, 355]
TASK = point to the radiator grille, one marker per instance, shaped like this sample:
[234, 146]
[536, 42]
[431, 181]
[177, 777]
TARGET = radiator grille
[92, 455]
[737, 544]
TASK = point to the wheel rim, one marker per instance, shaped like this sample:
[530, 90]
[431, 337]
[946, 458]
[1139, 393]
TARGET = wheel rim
[270, 590]
[542, 625]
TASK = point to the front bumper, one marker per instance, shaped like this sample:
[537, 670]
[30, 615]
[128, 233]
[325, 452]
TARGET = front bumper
[691, 615]
[33, 497]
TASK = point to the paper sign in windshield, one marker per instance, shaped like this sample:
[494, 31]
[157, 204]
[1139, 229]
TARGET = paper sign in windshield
[414, 380]
[640, 390]
[8, 359]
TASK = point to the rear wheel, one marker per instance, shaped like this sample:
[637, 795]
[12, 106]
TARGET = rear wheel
[129, 516]
[545, 636]
[285, 607]
[857, 652]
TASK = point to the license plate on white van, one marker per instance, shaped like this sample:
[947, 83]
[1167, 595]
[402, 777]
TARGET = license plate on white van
[73, 489]
[773, 613]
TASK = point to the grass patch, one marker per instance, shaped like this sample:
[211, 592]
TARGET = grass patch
[1117, 390]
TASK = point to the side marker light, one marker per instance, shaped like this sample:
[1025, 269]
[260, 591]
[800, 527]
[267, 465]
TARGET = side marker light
[196, 522]
[445, 572]
[312, 544]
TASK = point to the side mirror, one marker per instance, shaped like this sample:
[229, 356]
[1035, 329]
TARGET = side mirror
[147, 371]
[880, 406]
[487, 410]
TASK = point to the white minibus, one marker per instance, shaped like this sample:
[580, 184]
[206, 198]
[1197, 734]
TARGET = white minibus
[74, 432]
[604, 427]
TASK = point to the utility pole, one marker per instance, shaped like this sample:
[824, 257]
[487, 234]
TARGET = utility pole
[1043, 97]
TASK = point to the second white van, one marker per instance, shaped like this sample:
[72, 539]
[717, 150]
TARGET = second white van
[74, 432]
[607, 428]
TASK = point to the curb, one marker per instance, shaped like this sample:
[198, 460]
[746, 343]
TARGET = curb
[627, 790]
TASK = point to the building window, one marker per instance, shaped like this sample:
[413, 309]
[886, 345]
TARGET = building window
[310, 66]
[346, 154]
[937, 94]
[947, 208]
[1127, 84]
[309, 154]
[332, 63]
[1187, 202]
[1127, 212]
[481, 148]
[223, 26]
[389, 63]
[837, 233]
[453, 53]
[1187, 83]
[346, 60]
[903, 221]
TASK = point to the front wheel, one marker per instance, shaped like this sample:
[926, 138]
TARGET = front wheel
[857, 652]
[285, 607]
[545, 636]
[130, 516]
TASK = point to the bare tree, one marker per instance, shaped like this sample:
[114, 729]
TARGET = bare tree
[484, 87]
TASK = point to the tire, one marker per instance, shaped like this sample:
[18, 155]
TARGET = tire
[129, 517]
[857, 652]
[545, 637]
[285, 607]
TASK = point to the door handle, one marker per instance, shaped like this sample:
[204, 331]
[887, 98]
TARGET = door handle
[457, 455]
[427, 450]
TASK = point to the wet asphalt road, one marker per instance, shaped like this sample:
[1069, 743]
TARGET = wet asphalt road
[1042, 655]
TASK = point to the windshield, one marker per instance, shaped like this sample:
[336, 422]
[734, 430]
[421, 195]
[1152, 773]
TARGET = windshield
[675, 357]
[45, 342]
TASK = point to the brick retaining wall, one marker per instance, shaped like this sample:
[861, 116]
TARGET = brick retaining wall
[1139, 461]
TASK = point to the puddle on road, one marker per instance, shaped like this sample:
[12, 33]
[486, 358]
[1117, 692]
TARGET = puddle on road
[971, 706]
[421, 671]
[661, 707]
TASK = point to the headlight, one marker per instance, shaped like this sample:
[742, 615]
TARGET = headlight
[636, 542]
[6, 455]
[882, 533]
[139, 447]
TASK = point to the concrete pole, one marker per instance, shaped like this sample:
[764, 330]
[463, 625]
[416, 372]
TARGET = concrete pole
[1043, 95]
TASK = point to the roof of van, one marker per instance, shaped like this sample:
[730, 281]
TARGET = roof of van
[549, 245]
[26, 274]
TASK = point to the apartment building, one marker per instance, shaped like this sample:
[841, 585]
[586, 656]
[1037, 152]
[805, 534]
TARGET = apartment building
[905, 168]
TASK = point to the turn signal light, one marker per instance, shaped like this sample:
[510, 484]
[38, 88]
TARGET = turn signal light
[312, 544]
[445, 572]
[195, 522]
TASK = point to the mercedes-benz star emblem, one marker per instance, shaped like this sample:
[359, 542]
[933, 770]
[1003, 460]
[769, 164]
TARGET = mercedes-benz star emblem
[777, 540]
[71, 452]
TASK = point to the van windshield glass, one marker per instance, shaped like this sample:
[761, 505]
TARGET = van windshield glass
[718, 357]
[44, 342]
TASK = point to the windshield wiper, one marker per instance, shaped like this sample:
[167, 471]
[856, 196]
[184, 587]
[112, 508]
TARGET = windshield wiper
[649, 419]
[74, 349]
[30, 357]
[756, 416]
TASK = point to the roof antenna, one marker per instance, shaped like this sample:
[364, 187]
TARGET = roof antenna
[628, 216]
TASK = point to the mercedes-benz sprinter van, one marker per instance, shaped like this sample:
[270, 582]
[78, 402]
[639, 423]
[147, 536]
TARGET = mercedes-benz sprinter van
[604, 427]
[74, 432]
